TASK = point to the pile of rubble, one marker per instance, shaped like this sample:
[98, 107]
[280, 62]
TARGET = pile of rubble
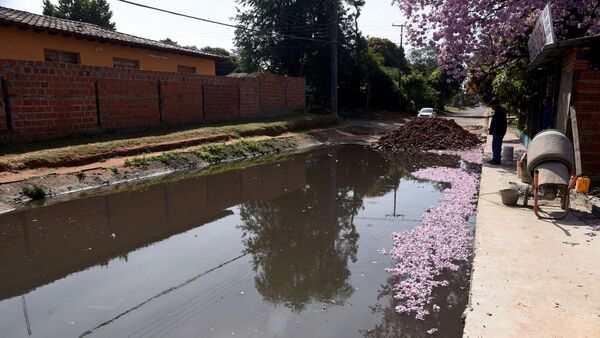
[428, 134]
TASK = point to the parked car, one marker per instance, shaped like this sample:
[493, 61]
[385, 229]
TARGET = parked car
[427, 113]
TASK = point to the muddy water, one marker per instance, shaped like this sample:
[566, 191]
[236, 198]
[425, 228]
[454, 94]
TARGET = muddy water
[286, 248]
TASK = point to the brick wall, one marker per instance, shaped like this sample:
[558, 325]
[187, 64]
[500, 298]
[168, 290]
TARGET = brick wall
[222, 99]
[48, 100]
[128, 103]
[586, 101]
[249, 97]
[3, 125]
[280, 95]
[182, 101]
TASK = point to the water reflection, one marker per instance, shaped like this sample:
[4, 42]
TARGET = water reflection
[40, 245]
[301, 232]
[302, 242]
[446, 323]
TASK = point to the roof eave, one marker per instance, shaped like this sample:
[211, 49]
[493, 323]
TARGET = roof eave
[113, 41]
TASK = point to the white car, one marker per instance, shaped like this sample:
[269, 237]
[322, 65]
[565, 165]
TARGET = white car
[427, 113]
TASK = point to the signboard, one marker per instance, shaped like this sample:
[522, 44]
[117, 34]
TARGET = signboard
[543, 33]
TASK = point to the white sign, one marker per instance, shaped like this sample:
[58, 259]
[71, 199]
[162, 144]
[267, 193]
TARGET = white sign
[543, 33]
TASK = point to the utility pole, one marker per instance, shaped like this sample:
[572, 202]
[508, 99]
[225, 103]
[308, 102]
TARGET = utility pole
[401, 48]
[334, 59]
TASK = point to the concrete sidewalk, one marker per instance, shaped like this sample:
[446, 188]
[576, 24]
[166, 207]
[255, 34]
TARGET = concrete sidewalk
[531, 277]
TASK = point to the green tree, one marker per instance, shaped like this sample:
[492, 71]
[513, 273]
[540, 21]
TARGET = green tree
[225, 66]
[444, 87]
[423, 60]
[91, 11]
[513, 84]
[230, 62]
[268, 46]
[169, 41]
[390, 54]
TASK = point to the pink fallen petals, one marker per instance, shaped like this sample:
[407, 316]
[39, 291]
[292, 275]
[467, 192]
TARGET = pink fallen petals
[474, 155]
[441, 242]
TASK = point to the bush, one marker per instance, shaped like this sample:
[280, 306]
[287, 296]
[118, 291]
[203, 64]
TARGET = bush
[35, 192]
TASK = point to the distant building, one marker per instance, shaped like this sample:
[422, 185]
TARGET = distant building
[33, 37]
[568, 73]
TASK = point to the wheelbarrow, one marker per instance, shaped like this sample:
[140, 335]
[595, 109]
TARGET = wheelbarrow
[549, 171]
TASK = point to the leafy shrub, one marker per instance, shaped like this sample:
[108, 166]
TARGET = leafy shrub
[35, 192]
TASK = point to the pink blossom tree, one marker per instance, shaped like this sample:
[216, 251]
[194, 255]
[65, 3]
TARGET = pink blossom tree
[472, 33]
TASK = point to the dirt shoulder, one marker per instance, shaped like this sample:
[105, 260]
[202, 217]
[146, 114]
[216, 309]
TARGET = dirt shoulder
[72, 167]
[99, 148]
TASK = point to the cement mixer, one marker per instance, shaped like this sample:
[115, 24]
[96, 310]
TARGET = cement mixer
[550, 164]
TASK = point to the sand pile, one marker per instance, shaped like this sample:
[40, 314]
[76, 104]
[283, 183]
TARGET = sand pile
[428, 134]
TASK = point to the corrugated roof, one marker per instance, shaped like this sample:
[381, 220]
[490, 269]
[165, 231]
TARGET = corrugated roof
[551, 52]
[9, 16]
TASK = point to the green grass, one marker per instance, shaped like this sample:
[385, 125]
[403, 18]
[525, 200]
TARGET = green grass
[214, 153]
[453, 109]
[92, 148]
[210, 170]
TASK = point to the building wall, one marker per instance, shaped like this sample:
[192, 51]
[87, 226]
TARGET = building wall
[586, 101]
[49, 100]
[18, 44]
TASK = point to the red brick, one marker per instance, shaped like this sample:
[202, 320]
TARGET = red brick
[52, 99]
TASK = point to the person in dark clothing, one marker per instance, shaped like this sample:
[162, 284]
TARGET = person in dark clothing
[546, 114]
[497, 130]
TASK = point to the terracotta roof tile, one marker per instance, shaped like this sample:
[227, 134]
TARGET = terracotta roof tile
[9, 16]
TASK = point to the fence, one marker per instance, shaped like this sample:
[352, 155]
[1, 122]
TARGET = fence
[45, 100]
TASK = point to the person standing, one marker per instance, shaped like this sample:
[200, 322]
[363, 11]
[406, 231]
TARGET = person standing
[497, 130]
[546, 113]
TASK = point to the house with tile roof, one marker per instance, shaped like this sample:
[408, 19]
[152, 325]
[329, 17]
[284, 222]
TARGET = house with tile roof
[32, 37]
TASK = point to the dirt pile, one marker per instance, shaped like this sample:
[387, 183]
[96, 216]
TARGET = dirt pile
[428, 134]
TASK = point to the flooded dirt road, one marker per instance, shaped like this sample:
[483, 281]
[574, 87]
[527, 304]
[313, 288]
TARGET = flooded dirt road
[286, 248]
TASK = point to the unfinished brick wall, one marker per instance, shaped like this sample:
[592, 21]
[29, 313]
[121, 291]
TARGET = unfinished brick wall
[586, 101]
[249, 97]
[48, 100]
[128, 103]
[222, 99]
[3, 124]
[295, 92]
[181, 101]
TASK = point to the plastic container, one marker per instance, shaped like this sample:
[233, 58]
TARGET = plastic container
[508, 154]
[583, 185]
[510, 196]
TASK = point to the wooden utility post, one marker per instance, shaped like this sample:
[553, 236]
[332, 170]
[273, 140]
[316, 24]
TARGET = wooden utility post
[334, 59]
[401, 48]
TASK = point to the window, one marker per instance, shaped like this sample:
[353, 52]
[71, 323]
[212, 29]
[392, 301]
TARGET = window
[59, 56]
[186, 69]
[126, 63]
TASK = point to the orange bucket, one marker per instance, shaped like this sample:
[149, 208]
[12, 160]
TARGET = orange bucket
[583, 185]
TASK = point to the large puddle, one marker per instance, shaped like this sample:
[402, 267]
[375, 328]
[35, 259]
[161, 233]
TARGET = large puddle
[287, 248]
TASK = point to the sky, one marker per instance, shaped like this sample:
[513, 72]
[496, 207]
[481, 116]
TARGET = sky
[376, 20]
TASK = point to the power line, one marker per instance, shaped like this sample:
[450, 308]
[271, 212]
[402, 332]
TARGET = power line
[222, 23]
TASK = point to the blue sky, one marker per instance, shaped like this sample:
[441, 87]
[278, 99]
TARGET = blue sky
[376, 20]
